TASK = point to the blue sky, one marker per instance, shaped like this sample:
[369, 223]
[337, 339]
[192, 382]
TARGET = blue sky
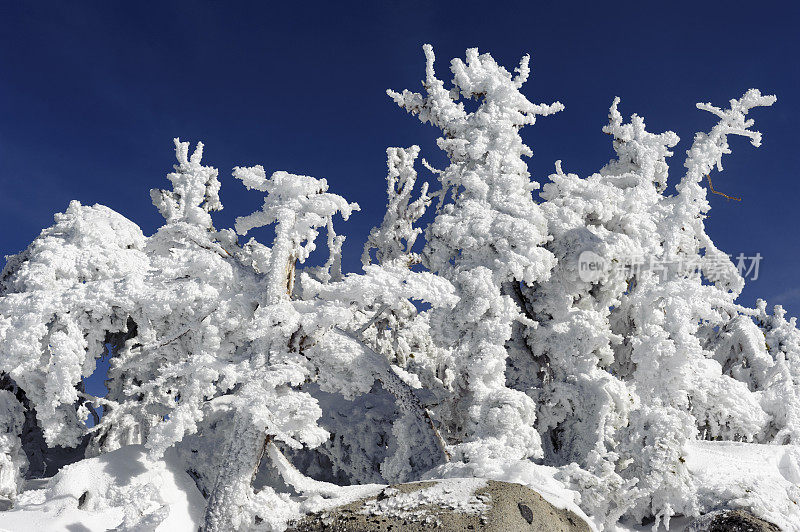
[92, 94]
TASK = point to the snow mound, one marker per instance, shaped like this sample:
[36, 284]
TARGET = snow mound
[764, 479]
[118, 490]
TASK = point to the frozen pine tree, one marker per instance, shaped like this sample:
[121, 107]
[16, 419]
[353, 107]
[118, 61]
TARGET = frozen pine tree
[265, 406]
[664, 317]
[13, 462]
[61, 299]
[487, 232]
[780, 381]
[583, 399]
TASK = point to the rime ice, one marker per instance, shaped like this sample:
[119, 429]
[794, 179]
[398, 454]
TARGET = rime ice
[254, 388]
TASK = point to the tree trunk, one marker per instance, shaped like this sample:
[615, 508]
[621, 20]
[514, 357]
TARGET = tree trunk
[242, 457]
[408, 404]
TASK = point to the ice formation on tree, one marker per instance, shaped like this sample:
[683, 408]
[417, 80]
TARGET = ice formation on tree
[486, 350]
[489, 234]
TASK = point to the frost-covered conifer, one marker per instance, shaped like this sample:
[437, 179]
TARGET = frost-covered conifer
[60, 298]
[195, 189]
[13, 462]
[664, 317]
[781, 381]
[609, 217]
[489, 232]
[265, 405]
[184, 322]
[402, 333]
[378, 311]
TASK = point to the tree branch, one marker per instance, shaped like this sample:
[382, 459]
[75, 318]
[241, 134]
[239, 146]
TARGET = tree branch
[711, 188]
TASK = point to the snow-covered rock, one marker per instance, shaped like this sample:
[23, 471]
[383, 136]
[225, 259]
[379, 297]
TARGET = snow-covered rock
[731, 521]
[449, 505]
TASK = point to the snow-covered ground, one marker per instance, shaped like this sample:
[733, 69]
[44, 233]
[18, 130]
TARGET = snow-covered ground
[124, 489]
[762, 478]
[118, 489]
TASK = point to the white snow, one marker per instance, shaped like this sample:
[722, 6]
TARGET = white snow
[118, 489]
[455, 494]
[764, 479]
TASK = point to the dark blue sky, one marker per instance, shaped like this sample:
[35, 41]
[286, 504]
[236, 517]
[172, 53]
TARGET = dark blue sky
[91, 96]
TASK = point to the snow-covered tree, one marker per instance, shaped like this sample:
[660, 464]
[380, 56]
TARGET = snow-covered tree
[381, 315]
[780, 382]
[488, 233]
[265, 405]
[588, 342]
[308, 333]
[664, 317]
[13, 462]
[61, 298]
[184, 320]
[628, 357]
[600, 222]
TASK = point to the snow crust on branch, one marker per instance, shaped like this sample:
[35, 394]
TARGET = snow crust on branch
[195, 189]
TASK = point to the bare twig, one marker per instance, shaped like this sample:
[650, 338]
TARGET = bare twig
[172, 338]
[216, 248]
[711, 188]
